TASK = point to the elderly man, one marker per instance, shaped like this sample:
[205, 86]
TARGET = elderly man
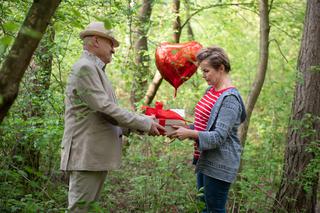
[91, 144]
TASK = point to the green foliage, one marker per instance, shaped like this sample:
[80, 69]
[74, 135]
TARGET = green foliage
[156, 176]
[11, 16]
[307, 132]
[311, 173]
[153, 179]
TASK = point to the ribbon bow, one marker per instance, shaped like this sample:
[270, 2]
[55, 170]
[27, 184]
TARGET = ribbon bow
[161, 114]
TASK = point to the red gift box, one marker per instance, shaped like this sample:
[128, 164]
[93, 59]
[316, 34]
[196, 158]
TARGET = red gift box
[165, 118]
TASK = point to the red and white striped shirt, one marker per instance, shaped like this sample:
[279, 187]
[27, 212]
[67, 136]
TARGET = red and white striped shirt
[202, 113]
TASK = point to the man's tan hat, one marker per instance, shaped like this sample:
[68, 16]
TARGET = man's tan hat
[98, 29]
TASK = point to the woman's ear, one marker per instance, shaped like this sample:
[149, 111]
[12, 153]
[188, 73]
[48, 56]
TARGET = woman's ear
[222, 68]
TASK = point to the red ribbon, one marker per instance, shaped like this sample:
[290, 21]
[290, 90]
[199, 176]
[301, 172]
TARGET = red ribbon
[161, 114]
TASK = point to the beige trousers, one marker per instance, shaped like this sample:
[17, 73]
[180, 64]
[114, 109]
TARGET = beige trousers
[84, 188]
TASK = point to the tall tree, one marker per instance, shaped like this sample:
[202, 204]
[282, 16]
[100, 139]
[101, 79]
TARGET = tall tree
[262, 68]
[258, 82]
[142, 58]
[298, 188]
[28, 38]
[157, 79]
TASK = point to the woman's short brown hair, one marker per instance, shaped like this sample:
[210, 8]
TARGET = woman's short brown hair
[215, 56]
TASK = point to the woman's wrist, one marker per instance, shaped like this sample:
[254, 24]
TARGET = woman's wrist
[193, 134]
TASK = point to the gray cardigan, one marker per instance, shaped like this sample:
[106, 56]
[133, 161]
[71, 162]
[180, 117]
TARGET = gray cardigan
[219, 145]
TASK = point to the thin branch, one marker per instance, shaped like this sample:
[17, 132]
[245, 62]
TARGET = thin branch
[249, 9]
[60, 82]
[285, 32]
[270, 6]
[54, 109]
[209, 7]
[244, 18]
[278, 45]
[130, 18]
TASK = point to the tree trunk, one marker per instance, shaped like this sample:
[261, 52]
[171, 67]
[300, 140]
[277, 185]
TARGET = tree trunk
[298, 189]
[257, 85]
[262, 68]
[153, 88]
[142, 58]
[19, 57]
[189, 30]
[157, 79]
[176, 22]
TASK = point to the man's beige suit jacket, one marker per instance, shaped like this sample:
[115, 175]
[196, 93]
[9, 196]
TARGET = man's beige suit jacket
[93, 120]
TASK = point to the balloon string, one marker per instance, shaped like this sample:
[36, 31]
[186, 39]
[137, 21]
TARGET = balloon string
[175, 92]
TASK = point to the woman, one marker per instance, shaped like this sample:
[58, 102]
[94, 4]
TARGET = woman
[217, 118]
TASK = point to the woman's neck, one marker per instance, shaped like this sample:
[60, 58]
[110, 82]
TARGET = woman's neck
[224, 83]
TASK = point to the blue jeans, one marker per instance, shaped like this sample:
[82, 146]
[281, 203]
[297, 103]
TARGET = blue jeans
[215, 193]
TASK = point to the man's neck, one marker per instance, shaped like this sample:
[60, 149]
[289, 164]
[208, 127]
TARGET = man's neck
[94, 58]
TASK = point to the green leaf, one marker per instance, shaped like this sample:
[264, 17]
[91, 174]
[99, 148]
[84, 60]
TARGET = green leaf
[31, 32]
[106, 21]
[201, 190]
[107, 24]
[200, 195]
[6, 40]
[4, 43]
[77, 24]
[76, 12]
[11, 26]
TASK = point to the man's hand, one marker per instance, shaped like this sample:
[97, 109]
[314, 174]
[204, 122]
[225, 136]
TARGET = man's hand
[182, 133]
[155, 128]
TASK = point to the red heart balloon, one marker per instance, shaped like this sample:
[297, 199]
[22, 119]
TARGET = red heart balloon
[176, 62]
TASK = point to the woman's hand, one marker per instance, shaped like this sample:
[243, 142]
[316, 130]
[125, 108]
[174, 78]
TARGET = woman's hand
[182, 133]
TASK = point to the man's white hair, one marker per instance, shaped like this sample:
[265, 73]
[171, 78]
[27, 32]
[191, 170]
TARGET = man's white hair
[87, 41]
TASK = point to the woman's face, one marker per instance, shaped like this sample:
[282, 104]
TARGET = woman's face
[210, 74]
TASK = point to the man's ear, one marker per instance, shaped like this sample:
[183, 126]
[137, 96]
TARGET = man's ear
[95, 42]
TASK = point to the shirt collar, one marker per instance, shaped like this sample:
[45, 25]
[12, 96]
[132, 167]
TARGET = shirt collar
[95, 59]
